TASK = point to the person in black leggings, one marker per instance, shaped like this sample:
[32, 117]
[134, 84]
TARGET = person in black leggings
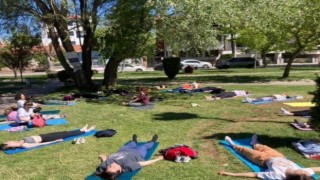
[296, 113]
[43, 139]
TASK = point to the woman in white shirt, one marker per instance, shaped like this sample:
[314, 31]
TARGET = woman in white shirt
[278, 167]
[25, 113]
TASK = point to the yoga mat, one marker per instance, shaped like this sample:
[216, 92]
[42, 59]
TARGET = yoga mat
[129, 175]
[246, 143]
[301, 128]
[300, 104]
[60, 103]
[149, 106]
[49, 122]
[268, 101]
[19, 150]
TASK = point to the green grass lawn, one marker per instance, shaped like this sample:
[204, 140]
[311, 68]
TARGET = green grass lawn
[175, 121]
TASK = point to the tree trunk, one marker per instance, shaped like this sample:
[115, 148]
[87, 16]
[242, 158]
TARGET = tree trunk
[264, 58]
[233, 46]
[110, 72]
[15, 73]
[289, 64]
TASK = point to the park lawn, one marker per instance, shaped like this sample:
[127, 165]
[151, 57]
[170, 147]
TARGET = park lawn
[175, 121]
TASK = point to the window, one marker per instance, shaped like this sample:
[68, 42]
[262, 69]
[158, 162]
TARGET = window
[71, 33]
[80, 34]
[73, 42]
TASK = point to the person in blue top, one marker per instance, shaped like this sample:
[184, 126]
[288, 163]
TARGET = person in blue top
[130, 157]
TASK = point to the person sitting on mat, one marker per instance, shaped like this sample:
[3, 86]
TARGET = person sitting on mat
[25, 113]
[21, 99]
[296, 113]
[278, 166]
[129, 157]
[225, 95]
[43, 139]
[141, 100]
[10, 114]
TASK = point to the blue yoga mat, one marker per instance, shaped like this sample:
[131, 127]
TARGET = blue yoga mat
[129, 175]
[19, 150]
[246, 143]
[49, 122]
[268, 101]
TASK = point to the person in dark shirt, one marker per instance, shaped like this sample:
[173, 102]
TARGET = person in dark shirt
[141, 100]
[130, 157]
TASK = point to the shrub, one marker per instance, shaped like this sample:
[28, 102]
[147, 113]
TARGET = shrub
[171, 66]
[63, 76]
[51, 74]
[315, 111]
[188, 69]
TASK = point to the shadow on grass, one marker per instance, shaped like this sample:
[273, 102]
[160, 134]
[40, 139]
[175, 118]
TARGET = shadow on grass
[273, 142]
[172, 116]
[204, 78]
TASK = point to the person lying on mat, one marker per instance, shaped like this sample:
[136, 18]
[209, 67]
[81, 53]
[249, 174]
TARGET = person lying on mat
[225, 95]
[296, 113]
[141, 100]
[274, 97]
[43, 139]
[302, 124]
[278, 167]
[130, 157]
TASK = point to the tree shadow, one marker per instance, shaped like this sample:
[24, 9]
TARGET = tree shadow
[271, 141]
[172, 116]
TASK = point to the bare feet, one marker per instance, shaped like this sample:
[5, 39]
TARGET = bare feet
[229, 140]
[254, 140]
[285, 112]
[209, 98]
[91, 128]
[84, 128]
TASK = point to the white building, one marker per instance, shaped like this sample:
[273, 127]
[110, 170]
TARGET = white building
[75, 33]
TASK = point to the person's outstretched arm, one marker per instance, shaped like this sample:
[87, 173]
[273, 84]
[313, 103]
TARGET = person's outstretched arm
[103, 157]
[146, 163]
[245, 174]
[31, 145]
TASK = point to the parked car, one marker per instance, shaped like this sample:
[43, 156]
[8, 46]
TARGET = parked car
[130, 67]
[195, 63]
[247, 62]
[158, 67]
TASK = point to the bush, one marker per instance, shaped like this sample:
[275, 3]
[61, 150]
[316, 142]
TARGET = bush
[171, 66]
[188, 69]
[315, 111]
[51, 75]
[63, 76]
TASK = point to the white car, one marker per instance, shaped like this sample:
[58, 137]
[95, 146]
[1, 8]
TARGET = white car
[196, 63]
[130, 67]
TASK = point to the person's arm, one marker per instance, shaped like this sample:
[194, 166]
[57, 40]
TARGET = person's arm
[103, 157]
[146, 163]
[31, 145]
[24, 118]
[244, 174]
[315, 169]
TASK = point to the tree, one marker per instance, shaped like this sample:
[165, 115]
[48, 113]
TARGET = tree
[19, 51]
[127, 34]
[54, 15]
[187, 25]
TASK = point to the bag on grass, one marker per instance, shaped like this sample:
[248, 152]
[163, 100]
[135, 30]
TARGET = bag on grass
[105, 133]
[38, 121]
[173, 152]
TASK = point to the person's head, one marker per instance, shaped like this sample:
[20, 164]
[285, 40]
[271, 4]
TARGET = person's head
[143, 90]
[20, 96]
[14, 108]
[7, 111]
[298, 174]
[28, 105]
[10, 145]
[111, 172]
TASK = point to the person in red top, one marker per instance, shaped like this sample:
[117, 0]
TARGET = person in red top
[141, 100]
